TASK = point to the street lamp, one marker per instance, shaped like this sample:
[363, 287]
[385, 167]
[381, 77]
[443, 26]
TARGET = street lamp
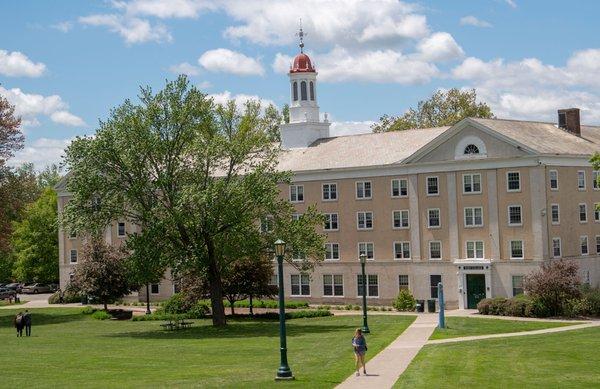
[363, 260]
[284, 372]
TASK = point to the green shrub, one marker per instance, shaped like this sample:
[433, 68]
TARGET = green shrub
[161, 316]
[175, 304]
[101, 315]
[88, 310]
[68, 298]
[199, 310]
[405, 301]
[577, 307]
[356, 307]
[308, 314]
[592, 295]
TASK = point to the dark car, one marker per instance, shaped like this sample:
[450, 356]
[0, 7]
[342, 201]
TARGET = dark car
[36, 288]
[7, 294]
[14, 286]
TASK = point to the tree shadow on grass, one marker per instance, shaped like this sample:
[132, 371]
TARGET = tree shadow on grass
[39, 318]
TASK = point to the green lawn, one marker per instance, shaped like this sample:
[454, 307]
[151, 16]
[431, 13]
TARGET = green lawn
[559, 360]
[470, 326]
[69, 349]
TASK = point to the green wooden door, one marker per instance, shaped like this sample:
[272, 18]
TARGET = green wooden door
[475, 289]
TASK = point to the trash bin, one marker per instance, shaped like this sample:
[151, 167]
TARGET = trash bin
[431, 306]
[84, 300]
[421, 306]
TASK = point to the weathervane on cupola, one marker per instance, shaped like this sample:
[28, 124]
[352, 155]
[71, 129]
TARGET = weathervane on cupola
[300, 34]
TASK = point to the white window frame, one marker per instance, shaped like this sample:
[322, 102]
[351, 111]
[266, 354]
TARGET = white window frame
[439, 218]
[330, 216]
[71, 256]
[402, 257]
[358, 284]
[437, 180]
[582, 188]
[402, 227]
[72, 235]
[473, 217]
[407, 286]
[557, 222]
[557, 239]
[296, 187]
[596, 213]
[429, 247]
[550, 179]
[512, 281]
[510, 224]
[366, 250]
[331, 245]
[300, 283]
[471, 175]
[365, 213]
[475, 242]
[508, 181]
[510, 249]
[119, 229]
[398, 180]
[329, 191]
[583, 238]
[364, 190]
[579, 213]
[597, 244]
[595, 174]
[333, 285]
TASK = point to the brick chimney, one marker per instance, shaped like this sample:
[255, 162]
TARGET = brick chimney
[568, 120]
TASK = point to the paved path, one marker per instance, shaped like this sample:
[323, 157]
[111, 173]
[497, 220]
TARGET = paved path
[385, 368]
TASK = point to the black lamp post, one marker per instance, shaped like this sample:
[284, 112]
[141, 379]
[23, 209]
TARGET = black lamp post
[284, 372]
[363, 260]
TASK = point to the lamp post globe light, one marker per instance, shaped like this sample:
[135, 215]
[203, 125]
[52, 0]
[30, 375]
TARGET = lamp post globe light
[284, 372]
[363, 260]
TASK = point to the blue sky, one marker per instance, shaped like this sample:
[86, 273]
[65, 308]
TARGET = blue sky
[64, 64]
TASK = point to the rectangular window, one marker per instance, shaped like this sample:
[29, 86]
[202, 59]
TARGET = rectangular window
[581, 180]
[333, 285]
[433, 218]
[556, 251]
[372, 285]
[274, 280]
[332, 251]
[329, 192]
[300, 284]
[296, 193]
[597, 244]
[475, 249]
[121, 229]
[267, 224]
[399, 188]
[403, 282]
[366, 248]
[583, 243]
[517, 285]
[516, 249]
[432, 186]
[364, 220]
[595, 174]
[434, 280]
[472, 183]
[72, 234]
[363, 190]
[435, 249]
[298, 255]
[583, 213]
[514, 215]
[296, 216]
[513, 181]
[553, 179]
[331, 222]
[473, 216]
[73, 256]
[596, 212]
[401, 250]
[555, 213]
[400, 219]
[154, 289]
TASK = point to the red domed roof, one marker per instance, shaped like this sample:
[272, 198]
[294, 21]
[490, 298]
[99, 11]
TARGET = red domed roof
[302, 64]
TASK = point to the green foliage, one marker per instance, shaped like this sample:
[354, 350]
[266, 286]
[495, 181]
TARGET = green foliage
[405, 301]
[444, 108]
[175, 304]
[88, 310]
[301, 314]
[69, 297]
[101, 315]
[522, 305]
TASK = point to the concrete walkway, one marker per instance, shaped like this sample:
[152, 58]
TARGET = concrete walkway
[385, 368]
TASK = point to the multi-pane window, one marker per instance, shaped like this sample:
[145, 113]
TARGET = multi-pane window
[583, 213]
[399, 188]
[329, 192]
[372, 285]
[514, 215]
[435, 249]
[595, 175]
[296, 193]
[433, 186]
[401, 219]
[556, 251]
[73, 256]
[402, 250]
[332, 251]
[597, 244]
[513, 181]
[298, 255]
[472, 183]
[331, 222]
[366, 248]
[333, 285]
[403, 282]
[154, 289]
[555, 213]
[517, 285]
[553, 179]
[475, 249]
[433, 218]
[274, 280]
[72, 234]
[300, 284]
[583, 243]
[364, 220]
[516, 249]
[296, 216]
[121, 229]
[581, 180]
[473, 216]
[363, 190]
[434, 280]
[596, 212]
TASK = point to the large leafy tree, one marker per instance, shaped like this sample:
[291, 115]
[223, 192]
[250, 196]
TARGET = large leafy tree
[443, 108]
[11, 138]
[198, 175]
[35, 241]
[248, 278]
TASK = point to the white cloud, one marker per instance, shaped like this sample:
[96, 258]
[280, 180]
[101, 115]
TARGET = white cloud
[165, 9]
[67, 118]
[185, 68]
[63, 26]
[281, 63]
[204, 85]
[409, 26]
[440, 46]
[41, 152]
[132, 29]
[471, 20]
[228, 61]
[511, 3]
[240, 99]
[16, 64]
[350, 128]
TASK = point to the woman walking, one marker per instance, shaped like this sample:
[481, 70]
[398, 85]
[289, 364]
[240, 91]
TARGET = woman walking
[18, 322]
[360, 348]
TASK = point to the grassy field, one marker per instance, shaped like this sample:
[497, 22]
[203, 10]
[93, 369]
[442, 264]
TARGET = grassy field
[69, 349]
[470, 326]
[560, 360]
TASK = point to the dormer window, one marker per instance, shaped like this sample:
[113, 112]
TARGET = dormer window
[471, 149]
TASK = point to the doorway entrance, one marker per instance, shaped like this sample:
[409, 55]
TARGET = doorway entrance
[475, 289]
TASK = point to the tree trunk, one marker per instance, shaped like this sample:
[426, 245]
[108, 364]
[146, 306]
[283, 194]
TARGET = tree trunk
[105, 305]
[251, 312]
[232, 308]
[215, 285]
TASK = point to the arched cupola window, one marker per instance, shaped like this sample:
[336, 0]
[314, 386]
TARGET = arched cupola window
[471, 149]
[312, 91]
[295, 90]
[303, 95]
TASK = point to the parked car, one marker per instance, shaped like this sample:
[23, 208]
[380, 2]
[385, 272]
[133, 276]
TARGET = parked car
[7, 294]
[14, 286]
[36, 288]
[53, 287]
